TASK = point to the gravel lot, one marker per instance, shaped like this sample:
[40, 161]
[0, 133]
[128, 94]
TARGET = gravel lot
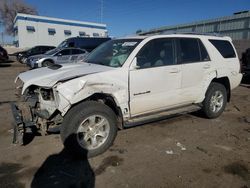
[184, 151]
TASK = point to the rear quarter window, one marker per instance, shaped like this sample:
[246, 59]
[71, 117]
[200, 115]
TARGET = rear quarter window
[224, 47]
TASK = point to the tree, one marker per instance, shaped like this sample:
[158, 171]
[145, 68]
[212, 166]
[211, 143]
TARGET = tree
[9, 9]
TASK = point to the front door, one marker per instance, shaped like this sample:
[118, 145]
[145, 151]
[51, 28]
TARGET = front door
[155, 84]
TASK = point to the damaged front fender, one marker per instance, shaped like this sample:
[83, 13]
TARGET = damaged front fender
[77, 90]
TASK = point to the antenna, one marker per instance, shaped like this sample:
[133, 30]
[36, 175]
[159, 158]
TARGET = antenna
[101, 11]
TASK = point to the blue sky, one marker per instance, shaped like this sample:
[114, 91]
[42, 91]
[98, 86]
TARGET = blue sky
[127, 16]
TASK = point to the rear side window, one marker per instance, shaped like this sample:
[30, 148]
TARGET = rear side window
[191, 50]
[188, 50]
[64, 52]
[224, 47]
[77, 51]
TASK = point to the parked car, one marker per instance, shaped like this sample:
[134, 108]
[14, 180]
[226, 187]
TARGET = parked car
[130, 81]
[3, 54]
[246, 61]
[57, 56]
[87, 43]
[22, 56]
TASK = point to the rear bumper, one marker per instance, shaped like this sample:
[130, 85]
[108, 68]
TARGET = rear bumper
[235, 80]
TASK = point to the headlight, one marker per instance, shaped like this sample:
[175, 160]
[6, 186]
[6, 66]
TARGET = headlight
[35, 59]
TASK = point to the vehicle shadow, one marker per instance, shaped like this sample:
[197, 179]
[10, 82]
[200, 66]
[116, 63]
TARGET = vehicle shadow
[6, 63]
[65, 171]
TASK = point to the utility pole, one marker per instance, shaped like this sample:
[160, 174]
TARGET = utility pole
[101, 11]
[2, 37]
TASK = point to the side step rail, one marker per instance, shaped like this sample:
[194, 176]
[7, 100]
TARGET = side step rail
[147, 118]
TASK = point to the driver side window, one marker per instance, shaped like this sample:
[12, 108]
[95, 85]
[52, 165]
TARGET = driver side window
[156, 53]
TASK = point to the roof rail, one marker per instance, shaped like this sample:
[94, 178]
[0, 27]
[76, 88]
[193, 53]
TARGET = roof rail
[187, 33]
[199, 33]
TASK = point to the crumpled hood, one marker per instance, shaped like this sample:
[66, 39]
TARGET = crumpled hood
[47, 77]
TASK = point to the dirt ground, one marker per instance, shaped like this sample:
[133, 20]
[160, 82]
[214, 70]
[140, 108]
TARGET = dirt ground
[184, 151]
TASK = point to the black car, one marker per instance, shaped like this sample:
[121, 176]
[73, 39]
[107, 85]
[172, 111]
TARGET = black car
[3, 54]
[246, 61]
[86, 43]
[22, 56]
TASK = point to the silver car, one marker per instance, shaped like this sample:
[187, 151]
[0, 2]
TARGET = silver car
[57, 56]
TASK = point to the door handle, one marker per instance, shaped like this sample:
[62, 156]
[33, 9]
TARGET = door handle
[206, 66]
[174, 70]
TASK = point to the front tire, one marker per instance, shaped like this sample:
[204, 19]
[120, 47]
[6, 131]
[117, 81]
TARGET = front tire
[89, 129]
[215, 100]
[47, 63]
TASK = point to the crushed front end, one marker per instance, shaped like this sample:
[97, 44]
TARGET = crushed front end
[35, 112]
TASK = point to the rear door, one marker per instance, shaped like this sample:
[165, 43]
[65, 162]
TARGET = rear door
[196, 64]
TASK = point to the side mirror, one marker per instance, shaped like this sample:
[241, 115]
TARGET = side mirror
[59, 54]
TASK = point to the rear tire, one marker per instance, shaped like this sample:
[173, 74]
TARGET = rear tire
[215, 100]
[89, 129]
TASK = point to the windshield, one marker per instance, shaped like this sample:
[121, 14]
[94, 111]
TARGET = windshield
[113, 53]
[53, 51]
[32, 50]
[64, 44]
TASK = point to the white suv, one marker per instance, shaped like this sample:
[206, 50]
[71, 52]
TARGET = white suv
[126, 82]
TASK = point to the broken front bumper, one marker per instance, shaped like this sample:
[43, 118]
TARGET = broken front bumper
[20, 126]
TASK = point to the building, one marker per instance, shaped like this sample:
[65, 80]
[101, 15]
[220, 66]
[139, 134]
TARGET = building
[31, 30]
[237, 26]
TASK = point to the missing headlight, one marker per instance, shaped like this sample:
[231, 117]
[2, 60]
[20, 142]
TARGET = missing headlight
[47, 94]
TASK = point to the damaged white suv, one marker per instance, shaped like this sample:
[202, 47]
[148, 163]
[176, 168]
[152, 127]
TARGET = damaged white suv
[126, 82]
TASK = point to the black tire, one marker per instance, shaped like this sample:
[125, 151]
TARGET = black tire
[47, 63]
[206, 109]
[73, 120]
